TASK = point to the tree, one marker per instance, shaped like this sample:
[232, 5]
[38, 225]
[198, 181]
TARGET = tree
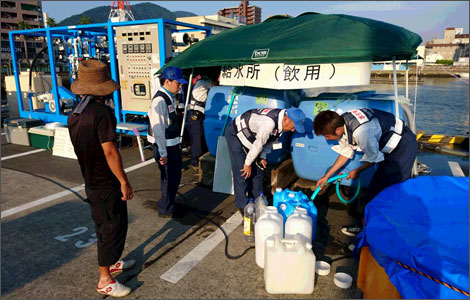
[51, 22]
[22, 25]
[84, 20]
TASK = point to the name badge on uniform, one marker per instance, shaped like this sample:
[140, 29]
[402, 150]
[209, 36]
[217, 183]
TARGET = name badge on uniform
[171, 109]
[277, 146]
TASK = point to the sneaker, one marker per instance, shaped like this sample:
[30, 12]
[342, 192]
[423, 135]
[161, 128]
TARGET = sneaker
[352, 230]
[114, 289]
[121, 265]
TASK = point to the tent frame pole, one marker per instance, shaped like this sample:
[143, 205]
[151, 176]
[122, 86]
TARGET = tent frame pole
[190, 83]
[395, 87]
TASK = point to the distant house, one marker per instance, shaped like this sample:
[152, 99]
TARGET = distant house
[245, 13]
[454, 46]
[217, 23]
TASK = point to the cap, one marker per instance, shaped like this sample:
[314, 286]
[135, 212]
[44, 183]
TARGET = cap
[174, 73]
[298, 117]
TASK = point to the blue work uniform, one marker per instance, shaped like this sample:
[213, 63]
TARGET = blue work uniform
[164, 136]
[250, 135]
[384, 140]
[196, 119]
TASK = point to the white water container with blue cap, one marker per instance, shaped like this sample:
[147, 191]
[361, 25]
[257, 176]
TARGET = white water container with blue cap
[268, 224]
[299, 223]
[289, 265]
[246, 98]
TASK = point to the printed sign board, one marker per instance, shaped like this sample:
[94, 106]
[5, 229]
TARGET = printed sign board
[287, 77]
[62, 144]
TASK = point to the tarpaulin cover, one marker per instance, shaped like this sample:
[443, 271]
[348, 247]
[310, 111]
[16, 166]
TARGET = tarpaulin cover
[423, 223]
[306, 39]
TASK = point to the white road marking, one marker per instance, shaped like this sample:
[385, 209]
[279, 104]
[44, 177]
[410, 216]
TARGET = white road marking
[29, 205]
[3, 133]
[22, 154]
[187, 263]
[138, 166]
[76, 189]
[455, 168]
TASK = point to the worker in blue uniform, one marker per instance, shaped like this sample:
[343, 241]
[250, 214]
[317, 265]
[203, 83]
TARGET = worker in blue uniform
[196, 118]
[384, 139]
[254, 134]
[164, 134]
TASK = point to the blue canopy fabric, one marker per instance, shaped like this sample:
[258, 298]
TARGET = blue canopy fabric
[424, 224]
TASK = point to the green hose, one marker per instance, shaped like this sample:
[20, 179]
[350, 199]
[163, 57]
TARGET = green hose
[337, 189]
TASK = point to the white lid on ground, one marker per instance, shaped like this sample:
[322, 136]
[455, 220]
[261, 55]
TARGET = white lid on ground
[343, 280]
[322, 268]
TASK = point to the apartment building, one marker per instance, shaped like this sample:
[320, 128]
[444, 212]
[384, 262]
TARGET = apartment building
[11, 13]
[452, 46]
[247, 14]
[217, 23]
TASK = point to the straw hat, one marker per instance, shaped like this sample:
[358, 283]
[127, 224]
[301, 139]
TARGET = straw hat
[93, 79]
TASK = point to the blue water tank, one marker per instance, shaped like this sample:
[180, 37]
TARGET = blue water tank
[246, 98]
[312, 155]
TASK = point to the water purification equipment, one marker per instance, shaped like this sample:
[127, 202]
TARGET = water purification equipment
[217, 105]
[134, 51]
[312, 155]
[289, 266]
[138, 49]
[299, 223]
[269, 224]
[286, 201]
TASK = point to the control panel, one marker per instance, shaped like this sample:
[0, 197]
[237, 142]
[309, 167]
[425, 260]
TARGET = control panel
[138, 53]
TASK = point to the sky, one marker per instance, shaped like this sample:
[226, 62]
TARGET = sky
[426, 18]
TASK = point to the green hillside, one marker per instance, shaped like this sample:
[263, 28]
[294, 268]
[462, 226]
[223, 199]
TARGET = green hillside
[140, 11]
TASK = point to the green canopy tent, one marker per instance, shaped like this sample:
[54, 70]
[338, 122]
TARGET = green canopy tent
[310, 38]
[306, 39]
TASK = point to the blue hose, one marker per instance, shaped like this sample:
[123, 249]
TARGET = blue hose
[337, 189]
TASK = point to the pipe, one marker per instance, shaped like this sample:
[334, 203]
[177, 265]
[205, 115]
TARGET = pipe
[186, 104]
[395, 87]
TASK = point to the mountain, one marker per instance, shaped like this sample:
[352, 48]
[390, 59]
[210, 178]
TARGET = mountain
[140, 11]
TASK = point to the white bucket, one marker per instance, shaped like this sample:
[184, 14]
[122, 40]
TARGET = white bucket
[299, 222]
[289, 266]
[268, 224]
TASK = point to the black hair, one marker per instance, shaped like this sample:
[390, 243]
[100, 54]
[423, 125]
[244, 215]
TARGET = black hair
[326, 122]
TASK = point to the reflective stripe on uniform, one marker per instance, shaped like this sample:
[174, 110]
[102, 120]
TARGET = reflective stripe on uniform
[245, 142]
[392, 143]
[198, 108]
[398, 128]
[242, 132]
[172, 142]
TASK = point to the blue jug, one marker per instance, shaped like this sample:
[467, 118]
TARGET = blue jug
[286, 201]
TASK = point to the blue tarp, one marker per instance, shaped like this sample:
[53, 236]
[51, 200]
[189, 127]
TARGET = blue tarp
[423, 223]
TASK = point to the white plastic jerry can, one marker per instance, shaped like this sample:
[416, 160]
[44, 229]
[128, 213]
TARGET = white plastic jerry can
[289, 265]
[299, 222]
[268, 224]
